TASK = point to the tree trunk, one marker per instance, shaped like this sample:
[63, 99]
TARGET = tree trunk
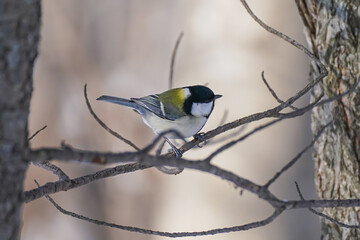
[332, 29]
[19, 37]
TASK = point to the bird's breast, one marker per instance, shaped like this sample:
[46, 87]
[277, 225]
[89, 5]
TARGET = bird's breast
[187, 126]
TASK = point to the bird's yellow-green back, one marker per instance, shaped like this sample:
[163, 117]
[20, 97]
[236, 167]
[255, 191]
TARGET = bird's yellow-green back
[174, 98]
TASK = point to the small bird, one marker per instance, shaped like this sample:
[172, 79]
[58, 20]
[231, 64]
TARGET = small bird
[184, 110]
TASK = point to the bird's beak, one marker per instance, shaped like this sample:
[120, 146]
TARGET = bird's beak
[218, 96]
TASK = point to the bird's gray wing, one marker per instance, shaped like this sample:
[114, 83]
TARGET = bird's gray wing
[153, 104]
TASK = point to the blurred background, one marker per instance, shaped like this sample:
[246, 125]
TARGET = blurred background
[123, 48]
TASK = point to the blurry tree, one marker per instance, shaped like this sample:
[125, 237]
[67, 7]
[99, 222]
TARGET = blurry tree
[332, 30]
[19, 37]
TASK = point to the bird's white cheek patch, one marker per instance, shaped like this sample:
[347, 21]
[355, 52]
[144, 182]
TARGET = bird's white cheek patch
[201, 109]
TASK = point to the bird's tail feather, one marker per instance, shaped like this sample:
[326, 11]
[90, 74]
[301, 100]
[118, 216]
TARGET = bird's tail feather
[117, 100]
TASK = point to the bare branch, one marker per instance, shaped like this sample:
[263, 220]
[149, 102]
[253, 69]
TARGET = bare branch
[227, 137]
[66, 155]
[284, 37]
[65, 185]
[160, 148]
[173, 56]
[298, 156]
[273, 112]
[104, 125]
[324, 215]
[164, 169]
[160, 136]
[169, 234]
[323, 203]
[243, 183]
[37, 132]
[236, 133]
[273, 92]
[53, 168]
[232, 143]
[142, 160]
[307, 108]
[308, 21]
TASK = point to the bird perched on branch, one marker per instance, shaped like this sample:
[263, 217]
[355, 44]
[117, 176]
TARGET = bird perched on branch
[183, 110]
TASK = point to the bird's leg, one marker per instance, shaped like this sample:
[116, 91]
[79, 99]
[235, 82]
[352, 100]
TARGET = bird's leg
[200, 136]
[176, 151]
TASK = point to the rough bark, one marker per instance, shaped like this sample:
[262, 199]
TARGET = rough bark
[19, 37]
[332, 29]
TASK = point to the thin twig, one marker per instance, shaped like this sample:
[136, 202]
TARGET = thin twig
[167, 234]
[273, 112]
[102, 124]
[43, 154]
[160, 148]
[65, 185]
[173, 56]
[236, 133]
[69, 154]
[273, 92]
[229, 136]
[37, 132]
[309, 23]
[301, 111]
[232, 143]
[283, 36]
[324, 215]
[297, 157]
[53, 168]
[164, 169]
[205, 165]
[160, 136]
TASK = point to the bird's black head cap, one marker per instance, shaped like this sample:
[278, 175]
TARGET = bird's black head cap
[199, 94]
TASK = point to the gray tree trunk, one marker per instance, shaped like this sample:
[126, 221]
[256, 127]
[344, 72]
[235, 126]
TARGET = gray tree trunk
[19, 37]
[332, 29]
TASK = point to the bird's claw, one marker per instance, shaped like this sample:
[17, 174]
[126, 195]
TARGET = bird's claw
[200, 136]
[176, 151]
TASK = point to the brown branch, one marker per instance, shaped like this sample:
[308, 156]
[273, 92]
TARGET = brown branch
[102, 124]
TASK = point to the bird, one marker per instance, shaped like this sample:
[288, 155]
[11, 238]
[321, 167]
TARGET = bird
[183, 110]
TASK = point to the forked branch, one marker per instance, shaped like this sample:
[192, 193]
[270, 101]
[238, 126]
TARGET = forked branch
[142, 159]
